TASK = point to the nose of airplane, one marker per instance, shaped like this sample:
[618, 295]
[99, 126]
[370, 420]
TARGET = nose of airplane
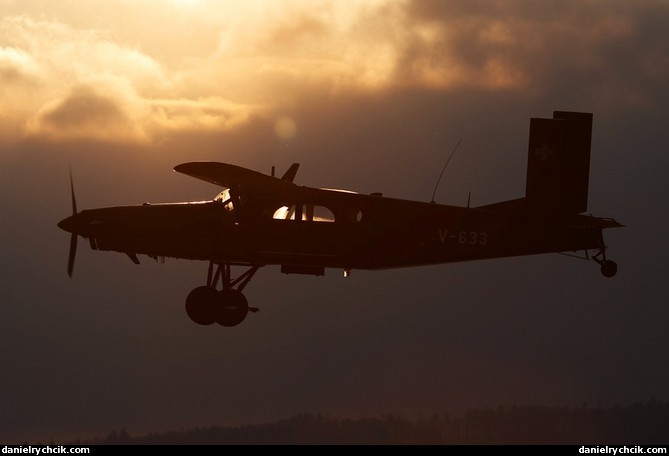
[74, 224]
[70, 224]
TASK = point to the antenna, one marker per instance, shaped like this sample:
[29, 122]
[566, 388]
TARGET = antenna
[444, 169]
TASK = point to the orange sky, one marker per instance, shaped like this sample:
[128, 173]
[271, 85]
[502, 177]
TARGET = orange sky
[131, 71]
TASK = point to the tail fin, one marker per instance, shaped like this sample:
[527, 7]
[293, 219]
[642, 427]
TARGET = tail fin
[558, 163]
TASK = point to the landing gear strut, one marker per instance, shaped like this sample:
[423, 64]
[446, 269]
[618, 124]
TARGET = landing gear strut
[206, 305]
[609, 268]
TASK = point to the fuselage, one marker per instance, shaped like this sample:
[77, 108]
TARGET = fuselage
[331, 229]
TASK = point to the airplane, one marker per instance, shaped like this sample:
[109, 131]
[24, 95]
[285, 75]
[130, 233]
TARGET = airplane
[260, 220]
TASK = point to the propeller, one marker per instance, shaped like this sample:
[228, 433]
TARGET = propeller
[73, 238]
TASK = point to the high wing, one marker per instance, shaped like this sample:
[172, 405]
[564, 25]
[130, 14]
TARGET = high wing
[236, 177]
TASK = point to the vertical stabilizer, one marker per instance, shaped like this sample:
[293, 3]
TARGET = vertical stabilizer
[558, 163]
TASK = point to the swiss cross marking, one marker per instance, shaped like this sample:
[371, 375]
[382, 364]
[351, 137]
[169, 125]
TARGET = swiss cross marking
[544, 152]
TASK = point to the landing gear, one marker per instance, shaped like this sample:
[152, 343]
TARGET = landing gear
[202, 304]
[234, 308]
[206, 305]
[609, 268]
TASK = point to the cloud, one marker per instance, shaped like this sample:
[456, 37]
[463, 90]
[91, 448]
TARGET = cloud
[537, 46]
[65, 83]
[85, 112]
[251, 58]
[211, 113]
[16, 66]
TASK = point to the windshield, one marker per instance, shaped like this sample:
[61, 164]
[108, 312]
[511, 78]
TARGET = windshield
[225, 198]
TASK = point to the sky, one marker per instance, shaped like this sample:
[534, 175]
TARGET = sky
[370, 96]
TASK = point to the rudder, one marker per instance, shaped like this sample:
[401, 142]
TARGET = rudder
[558, 164]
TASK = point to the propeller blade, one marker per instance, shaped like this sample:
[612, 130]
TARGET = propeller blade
[74, 199]
[73, 254]
[73, 238]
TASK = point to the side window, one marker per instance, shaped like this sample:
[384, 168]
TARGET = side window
[284, 213]
[306, 213]
[353, 215]
[319, 214]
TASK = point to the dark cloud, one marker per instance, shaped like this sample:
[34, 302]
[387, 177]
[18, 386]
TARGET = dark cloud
[84, 107]
[613, 49]
[13, 75]
[297, 33]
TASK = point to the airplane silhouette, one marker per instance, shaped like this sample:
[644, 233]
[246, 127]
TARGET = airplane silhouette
[260, 220]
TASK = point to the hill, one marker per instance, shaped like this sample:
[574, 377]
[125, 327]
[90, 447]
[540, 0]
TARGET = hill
[640, 423]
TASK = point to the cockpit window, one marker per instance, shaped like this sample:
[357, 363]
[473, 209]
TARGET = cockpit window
[223, 196]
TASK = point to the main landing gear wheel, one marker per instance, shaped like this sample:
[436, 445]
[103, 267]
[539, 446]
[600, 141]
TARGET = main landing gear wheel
[233, 308]
[228, 307]
[202, 305]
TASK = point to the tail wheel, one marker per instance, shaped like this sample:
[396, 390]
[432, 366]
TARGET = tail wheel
[609, 268]
[232, 308]
[202, 304]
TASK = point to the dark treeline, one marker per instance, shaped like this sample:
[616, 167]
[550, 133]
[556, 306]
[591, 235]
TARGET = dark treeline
[641, 423]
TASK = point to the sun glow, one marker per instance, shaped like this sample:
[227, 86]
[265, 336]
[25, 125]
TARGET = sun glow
[184, 3]
[175, 65]
[161, 66]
